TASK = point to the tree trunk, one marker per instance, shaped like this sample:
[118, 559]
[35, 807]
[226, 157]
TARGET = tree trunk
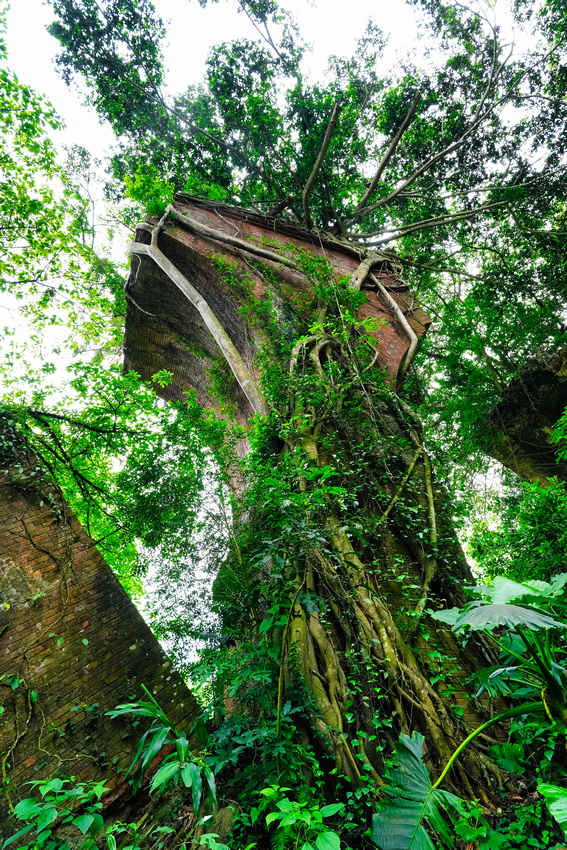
[353, 536]
[521, 424]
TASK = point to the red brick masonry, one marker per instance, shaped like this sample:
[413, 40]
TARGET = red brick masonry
[74, 637]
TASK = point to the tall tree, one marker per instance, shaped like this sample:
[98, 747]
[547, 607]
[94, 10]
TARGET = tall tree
[460, 168]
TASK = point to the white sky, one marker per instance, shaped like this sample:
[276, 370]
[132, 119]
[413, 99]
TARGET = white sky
[324, 24]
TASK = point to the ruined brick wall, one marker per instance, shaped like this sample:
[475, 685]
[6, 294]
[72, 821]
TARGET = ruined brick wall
[72, 636]
[164, 331]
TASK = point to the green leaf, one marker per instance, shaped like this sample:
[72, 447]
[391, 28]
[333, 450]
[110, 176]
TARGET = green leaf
[186, 775]
[504, 591]
[53, 785]
[210, 778]
[508, 756]
[331, 809]
[97, 824]
[556, 799]
[490, 616]
[83, 822]
[155, 746]
[327, 841]
[182, 747]
[17, 835]
[448, 615]
[196, 784]
[164, 776]
[410, 800]
[26, 808]
[47, 816]
[266, 625]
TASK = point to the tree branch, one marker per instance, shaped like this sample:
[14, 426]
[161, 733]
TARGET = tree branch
[410, 353]
[388, 155]
[477, 118]
[42, 414]
[439, 221]
[357, 279]
[219, 236]
[318, 162]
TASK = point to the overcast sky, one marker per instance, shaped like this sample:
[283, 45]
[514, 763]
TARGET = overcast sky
[325, 24]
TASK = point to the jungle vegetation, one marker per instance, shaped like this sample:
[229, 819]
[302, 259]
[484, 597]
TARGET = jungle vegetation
[338, 625]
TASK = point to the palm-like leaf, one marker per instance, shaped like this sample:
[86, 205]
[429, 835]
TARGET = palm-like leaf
[398, 823]
[489, 616]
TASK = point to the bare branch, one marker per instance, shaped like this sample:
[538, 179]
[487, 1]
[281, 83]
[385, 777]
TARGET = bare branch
[555, 234]
[389, 154]
[318, 162]
[433, 268]
[43, 414]
[266, 36]
[439, 221]
[280, 206]
[477, 118]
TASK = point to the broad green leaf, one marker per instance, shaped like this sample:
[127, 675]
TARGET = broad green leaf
[448, 615]
[558, 582]
[266, 625]
[83, 822]
[186, 775]
[508, 756]
[210, 778]
[164, 776]
[504, 591]
[53, 785]
[17, 835]
[547, 589]
[556, 799]
[196, 784]
[155, 745]
[97, 824]
[490, 616]
[327, 841]
[26, 808]
[47, 816]
[331, 809]
[409, 801]
[182, 746]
